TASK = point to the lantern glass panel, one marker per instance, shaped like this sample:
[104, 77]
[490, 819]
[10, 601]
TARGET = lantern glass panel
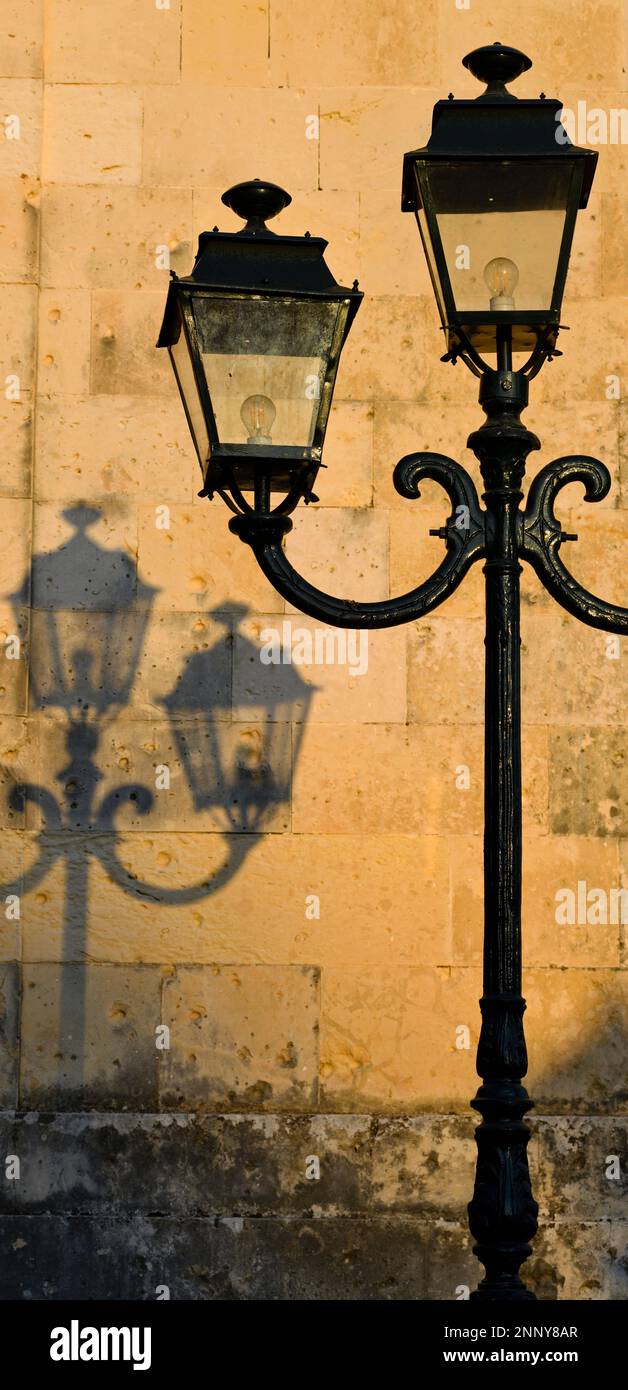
[501, 228]
[266, 360]
[186, 381]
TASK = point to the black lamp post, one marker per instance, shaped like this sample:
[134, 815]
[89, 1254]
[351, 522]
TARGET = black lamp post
[496, 193]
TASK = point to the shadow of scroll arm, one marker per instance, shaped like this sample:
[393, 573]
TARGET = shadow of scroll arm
[542, 537]
[464, 536]
[30, 878]
[142, 798]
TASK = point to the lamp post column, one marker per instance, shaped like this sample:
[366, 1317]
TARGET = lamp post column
[502, 1213]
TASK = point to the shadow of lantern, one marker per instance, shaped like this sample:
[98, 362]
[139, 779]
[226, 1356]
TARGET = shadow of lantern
[240, 765]
[89, 616]
[90, 613]
[86, 663]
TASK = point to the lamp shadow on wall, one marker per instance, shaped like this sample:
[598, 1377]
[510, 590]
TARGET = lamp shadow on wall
[90, 613]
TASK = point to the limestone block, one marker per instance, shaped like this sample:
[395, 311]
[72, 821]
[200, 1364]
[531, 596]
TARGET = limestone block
[117, 42]
[555, 44]
[589, 673]
[575, 1025]
[618, 1273]
[343, 551]
[231, 49]
[203, 775]
[385, 355]
[361, 45]
[598, 558]
[15, 769]
[571, 1260]
[261, 900]
[92, 134]
[190, 1164]
[592, 429]
[64, 341]
[21, 38]
[124, 358]
[198, 564]
[241, 1037]
[11, 895]
[451, 1265]
[16, 425]
[104, 446]
[365, 132]
[623, 454]
[9, 1045]
[88, 1037]
[596, 107]
[615, 247]
[19, 307]
[180, 647]
[13, 612]
[348, 457]
[14, 635]
[20, 147]
[349, 677]
[130, 666]
[441, 649]
[406, 427]
[207, 1259]
[423, 1164]
[594, 351]
[115, 238]
[586, 273]
[588, 781]
[19, 229]
[390, 778]
[388, 1039]
[391, 255]
[574, 1154]
[15, 551]
[260, 130]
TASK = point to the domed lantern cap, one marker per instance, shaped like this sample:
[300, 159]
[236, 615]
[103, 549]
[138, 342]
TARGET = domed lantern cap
[496, 191]
[255, 335]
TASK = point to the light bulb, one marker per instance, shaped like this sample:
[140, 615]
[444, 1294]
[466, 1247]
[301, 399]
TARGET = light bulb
[501, 277]
[257, 415]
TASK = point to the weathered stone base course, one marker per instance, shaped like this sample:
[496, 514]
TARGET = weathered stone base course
[116, 1206]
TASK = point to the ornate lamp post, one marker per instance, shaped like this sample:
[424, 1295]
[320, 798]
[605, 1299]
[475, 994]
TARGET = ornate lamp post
[495, 192]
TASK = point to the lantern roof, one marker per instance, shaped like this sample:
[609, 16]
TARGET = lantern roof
[257, 259]
[496, 124]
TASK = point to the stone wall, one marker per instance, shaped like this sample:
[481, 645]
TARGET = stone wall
[310, 936]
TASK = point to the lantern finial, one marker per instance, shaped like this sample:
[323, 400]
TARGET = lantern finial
[496, 64]
[256, 201]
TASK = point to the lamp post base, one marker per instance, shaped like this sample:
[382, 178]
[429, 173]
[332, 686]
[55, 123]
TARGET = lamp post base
[501, 1288]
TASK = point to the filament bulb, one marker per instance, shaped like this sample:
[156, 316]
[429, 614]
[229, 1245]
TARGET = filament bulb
[257, 415]
[501, 277]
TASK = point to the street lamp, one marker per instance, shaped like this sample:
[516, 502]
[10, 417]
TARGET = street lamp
[496, 193]
[254, 336]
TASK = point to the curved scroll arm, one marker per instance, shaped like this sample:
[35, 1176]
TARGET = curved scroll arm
[464, 534]
[542, 536]
[238, 847]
